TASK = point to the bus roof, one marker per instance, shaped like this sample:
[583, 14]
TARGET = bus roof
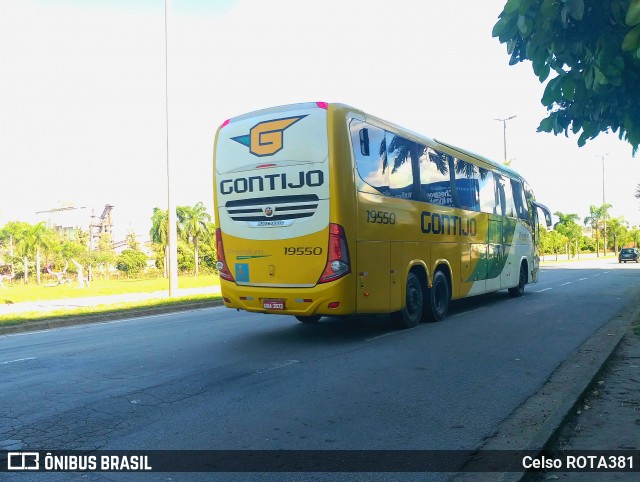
[428, 140]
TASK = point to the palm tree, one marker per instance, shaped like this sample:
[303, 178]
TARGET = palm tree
[597, 214]
[40, 236]
[404, 150]
[618, 228]
[160, 232]
[568, 227]
[193, 221]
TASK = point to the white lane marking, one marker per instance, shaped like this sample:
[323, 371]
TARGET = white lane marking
[18, 360]
[582, 279]
[385, 334]
[540, 291]
[276, 366]
[567, 283]
[470, 311]
[595, 275]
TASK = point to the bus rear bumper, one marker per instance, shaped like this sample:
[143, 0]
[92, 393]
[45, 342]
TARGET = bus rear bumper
[323, 299]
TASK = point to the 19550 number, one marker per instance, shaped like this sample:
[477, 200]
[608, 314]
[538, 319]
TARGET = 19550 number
[381, 217]
[303, 251]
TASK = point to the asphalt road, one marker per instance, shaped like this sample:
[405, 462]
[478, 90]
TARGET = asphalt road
[220, 379]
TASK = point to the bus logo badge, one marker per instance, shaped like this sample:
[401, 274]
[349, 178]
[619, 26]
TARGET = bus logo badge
[266, 138]
[268, 212]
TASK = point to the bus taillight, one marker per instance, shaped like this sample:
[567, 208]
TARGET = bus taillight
[338, 264]
[223, 269]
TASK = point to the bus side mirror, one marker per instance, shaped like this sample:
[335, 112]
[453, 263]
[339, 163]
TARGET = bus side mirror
[364, 141]
[545, 210]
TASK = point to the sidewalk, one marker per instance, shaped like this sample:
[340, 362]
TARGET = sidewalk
[608, 417]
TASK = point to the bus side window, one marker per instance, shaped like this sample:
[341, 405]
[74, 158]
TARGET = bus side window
[400, 154]
[467, 185]
[506, 196]
[435, 184]
[372, 169]
[488, 197]
[519, 200]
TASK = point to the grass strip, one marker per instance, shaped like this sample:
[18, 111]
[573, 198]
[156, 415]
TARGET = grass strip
[122, 309]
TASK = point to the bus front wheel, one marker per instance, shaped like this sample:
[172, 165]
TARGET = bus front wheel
[522, 280]
[410, 315]
[438, 297]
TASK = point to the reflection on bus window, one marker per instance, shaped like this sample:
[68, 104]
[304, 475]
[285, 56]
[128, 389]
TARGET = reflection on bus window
[372, 168]
[435, 185]
[519, 200]
[399, 157]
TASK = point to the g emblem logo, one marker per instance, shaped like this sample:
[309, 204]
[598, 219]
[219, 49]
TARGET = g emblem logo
[267, 138]
[268, 212]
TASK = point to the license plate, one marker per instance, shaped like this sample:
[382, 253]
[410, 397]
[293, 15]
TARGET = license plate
[273, 304]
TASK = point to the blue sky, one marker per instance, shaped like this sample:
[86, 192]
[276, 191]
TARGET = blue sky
[82, 106]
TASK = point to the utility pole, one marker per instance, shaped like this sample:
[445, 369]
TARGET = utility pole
[172, 238]
[604, 213]
[504, 134]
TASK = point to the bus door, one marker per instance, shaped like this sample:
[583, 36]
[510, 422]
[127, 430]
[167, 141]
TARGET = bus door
[508, 270]
[536, 234]
[536, 251]
[495, 253]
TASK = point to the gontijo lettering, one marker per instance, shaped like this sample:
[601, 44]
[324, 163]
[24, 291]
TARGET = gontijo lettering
[271, 182]
[444, 224]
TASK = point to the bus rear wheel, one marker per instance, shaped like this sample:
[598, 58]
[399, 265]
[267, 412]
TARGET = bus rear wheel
[518, 291]
[308, 319]
[438, 298]
[411, 314]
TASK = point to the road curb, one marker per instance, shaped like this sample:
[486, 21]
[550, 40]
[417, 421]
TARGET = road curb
[537, 422]
[50, 323]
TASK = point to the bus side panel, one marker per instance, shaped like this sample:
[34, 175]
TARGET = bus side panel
[374, 258]
[473, 269]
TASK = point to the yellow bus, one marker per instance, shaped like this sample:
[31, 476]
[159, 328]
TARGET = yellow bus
[324, 210]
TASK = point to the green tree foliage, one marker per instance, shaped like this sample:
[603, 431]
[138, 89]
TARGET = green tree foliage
[617, 233]
[131, 262]
[634, 237]
[192, 224]
[569, 228]
[593, 49]
[596, 218]
[552, 242]
[196, 233]
[159, 236]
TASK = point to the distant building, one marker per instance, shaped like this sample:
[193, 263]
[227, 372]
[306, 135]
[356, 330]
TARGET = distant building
[101, 226]
[67, 219]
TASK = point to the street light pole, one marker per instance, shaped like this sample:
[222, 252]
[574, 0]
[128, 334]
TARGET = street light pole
[604, 213]
[504, 134]
[172, 237]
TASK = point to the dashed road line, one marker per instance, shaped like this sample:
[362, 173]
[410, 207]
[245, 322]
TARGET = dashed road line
[275, 366]
[540, 291]
[18, 360]
[384, 335]
[470, 311]
[567, 283]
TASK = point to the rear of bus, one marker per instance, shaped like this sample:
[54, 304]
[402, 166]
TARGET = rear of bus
[280, 238]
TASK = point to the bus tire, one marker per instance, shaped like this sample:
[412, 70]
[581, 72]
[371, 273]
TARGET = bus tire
[439, 295]
[308, 319]
[518, 291]
[411, 313]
